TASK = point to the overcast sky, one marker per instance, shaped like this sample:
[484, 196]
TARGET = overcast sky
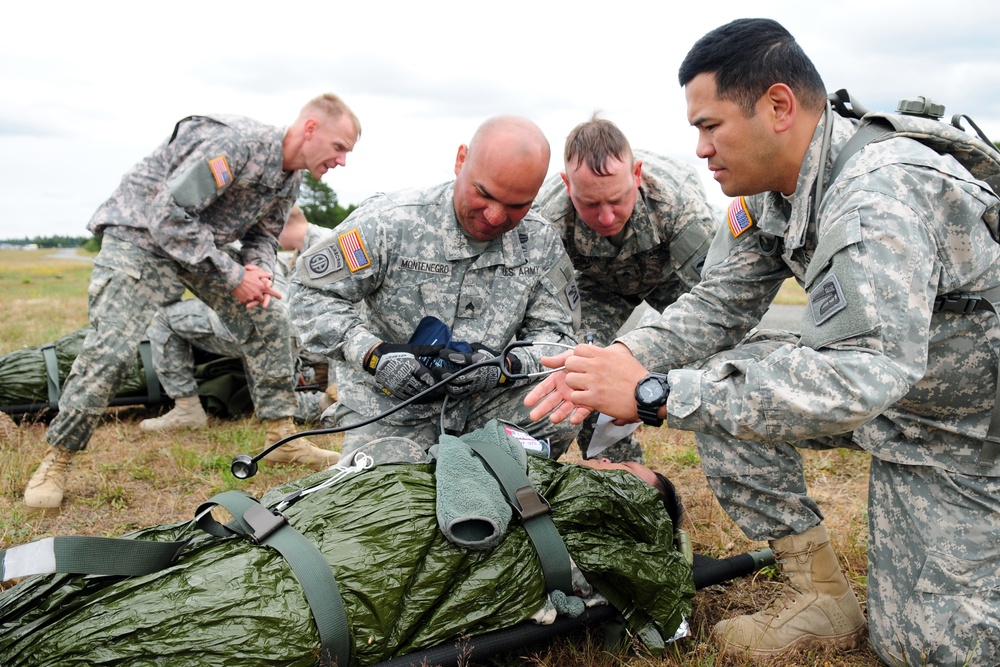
[89, 88]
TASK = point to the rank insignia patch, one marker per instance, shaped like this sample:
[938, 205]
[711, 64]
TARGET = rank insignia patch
[572, 293]
[739, 217]
[220, 169]
[354, 251]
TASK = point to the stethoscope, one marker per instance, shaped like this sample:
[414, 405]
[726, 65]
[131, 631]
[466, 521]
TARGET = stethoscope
[244, 466]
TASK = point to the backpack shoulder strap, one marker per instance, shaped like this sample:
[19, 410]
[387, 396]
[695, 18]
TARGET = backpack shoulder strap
[868, 131]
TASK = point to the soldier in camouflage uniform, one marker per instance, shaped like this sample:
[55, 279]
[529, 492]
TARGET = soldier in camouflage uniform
[214, 181]
[180, 327]
[468, 252]
[878, 366]
[637, 228]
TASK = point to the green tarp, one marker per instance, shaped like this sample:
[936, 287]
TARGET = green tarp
[222, 383]
[405, 587]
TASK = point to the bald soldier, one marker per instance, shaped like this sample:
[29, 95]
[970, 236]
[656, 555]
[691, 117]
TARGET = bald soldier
[469, 253]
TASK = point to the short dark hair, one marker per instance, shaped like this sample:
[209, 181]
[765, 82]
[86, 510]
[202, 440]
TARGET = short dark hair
[671, 500]
[748, 56]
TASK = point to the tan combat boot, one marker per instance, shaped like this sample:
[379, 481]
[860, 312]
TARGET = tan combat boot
[45, 488]
[187, 413]
[299, 451]
[816, 607]
[328, 398]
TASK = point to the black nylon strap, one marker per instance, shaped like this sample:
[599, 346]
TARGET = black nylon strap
[152, 381]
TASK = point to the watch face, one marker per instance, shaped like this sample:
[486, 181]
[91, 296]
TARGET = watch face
[650, 390]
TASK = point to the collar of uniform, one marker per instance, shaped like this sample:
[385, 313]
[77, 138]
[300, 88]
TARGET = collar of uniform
[273, 158]
[505, 249]
[800, 216]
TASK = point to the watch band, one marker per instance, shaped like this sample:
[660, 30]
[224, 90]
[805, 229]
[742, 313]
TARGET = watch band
[649, 409]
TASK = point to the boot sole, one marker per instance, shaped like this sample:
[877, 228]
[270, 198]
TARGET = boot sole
[43, 511]
[171, 429]
[844, 642]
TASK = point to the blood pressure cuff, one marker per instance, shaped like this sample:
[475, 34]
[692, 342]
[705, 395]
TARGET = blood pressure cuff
[432, 331]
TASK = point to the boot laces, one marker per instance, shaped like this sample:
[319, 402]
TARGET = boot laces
[60, 462]
[788, 597]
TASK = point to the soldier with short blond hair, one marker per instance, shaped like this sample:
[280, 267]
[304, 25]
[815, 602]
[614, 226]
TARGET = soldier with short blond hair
[215, 180]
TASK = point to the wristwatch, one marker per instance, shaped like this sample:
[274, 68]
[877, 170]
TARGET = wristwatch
[651, 395]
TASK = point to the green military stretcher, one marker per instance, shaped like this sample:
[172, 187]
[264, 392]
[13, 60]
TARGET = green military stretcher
[352, 567]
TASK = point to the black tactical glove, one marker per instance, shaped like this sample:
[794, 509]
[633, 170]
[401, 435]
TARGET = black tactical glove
[398, 372]
[481, 379]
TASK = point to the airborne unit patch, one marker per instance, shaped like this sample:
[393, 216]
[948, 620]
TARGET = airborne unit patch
[323, 262]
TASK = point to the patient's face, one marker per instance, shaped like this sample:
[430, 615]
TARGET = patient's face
[637, 469]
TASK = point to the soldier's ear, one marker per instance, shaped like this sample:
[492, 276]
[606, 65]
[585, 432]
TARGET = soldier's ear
[565, 180]
[781, 106]
[463, 151]
[309, 127]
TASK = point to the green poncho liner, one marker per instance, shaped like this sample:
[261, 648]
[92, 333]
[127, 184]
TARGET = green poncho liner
[404, 586]
[222, 383]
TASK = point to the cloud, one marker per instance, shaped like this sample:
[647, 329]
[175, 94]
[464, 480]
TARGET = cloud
[87, 89]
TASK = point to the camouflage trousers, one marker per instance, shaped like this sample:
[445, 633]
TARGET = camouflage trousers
[626, 449]
[933, 543]
[127, 286]
[506, 405]
[933, 566]
[933, 538]
[178, 328]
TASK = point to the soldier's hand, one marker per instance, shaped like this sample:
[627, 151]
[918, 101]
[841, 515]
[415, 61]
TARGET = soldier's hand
[480, 379]
[256, 288]
[397, 370]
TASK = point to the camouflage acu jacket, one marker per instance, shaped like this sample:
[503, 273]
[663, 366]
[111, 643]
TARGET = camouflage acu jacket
[402, 256]
[216, 180]
[901, 226]
[661, 256]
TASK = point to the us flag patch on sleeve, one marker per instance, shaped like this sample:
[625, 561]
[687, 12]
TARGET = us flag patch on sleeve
[220, 169]
[739, 217]
[354, 250]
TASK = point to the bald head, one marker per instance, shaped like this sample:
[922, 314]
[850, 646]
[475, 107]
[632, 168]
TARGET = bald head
[514, 138]
[498, 175]
[293, 234]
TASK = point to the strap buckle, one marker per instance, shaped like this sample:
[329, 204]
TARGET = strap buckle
[263, 521]
[532, 504]
[957, 303]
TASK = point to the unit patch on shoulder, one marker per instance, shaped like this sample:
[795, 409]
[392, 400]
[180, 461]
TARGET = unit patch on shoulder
[220, 169]
[739, 217]
[323, 262]
[826, 299]
[354, 250]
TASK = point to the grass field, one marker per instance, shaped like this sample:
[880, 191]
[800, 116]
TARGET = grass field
[128, 479]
